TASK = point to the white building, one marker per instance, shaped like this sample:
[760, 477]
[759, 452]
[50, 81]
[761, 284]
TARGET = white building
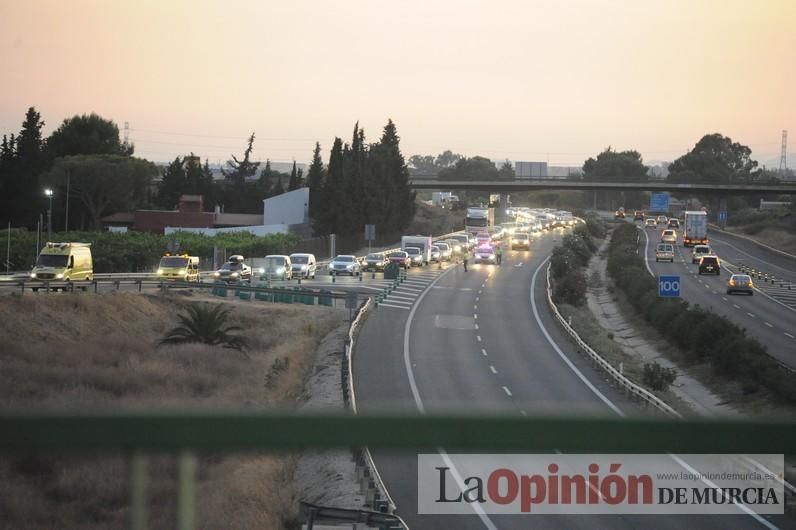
[291, 208]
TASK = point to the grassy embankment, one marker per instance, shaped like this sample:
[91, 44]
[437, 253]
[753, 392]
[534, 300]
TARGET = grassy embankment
[775, 228]
[98, 352]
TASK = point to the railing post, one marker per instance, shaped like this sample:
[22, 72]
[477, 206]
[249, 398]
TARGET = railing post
[186, 490]
[138, 479]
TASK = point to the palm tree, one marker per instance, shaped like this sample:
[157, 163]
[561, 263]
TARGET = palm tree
[206, 324]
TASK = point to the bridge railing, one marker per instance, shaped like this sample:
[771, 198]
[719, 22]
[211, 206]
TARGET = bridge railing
[187, 433]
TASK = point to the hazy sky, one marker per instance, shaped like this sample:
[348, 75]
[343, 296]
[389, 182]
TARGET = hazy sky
[526, 80]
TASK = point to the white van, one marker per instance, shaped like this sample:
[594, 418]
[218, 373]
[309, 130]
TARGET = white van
[277, 266]
[303, 265]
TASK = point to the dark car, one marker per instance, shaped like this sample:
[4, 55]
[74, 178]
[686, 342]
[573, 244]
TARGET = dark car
[401, 258]
[375, 261]
[710, 264]
[234, 271]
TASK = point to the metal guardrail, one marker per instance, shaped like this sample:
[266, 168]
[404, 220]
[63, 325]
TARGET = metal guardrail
[629, 386]
[319, 514]
[755, 241]
[350, 397]
[167, 284]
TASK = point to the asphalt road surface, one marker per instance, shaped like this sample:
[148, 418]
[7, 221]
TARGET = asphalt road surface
[766, 318]
[484, 340]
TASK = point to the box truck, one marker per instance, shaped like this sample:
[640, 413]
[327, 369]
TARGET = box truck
[695, 228]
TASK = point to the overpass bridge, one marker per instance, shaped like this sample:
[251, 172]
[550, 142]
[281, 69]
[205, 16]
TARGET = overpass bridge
[422, 182]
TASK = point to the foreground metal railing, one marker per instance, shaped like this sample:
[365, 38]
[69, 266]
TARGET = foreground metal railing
[188, 432]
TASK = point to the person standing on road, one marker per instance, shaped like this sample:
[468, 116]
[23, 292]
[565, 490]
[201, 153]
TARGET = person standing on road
[499, 254]
[465, 256]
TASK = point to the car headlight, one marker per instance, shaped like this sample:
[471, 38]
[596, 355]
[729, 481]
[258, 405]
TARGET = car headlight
[181, 271]
[216, 274]
[33, 275]
[280, 270]
[349, 267]
[234, 275]
[160, 271]
[59, 276]
[261, 270]
[304, 267]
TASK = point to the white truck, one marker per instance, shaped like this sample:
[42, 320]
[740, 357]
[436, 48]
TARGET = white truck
[479, 220]
[421, 242]
[695, 228]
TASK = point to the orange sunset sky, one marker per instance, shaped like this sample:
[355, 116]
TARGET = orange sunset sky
[524, 80]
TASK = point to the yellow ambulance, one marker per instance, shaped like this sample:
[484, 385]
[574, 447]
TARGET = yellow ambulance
[64, 262]
[179, 267]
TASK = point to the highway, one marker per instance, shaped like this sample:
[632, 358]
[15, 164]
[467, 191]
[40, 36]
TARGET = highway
[484, 340]
[770, 320]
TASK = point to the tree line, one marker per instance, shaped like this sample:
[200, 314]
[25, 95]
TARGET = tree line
[362, 184]
[93, 174]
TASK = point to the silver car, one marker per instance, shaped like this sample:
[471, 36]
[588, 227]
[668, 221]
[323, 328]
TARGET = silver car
[345, 264]
[416, 255]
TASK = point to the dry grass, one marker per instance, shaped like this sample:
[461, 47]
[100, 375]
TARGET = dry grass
[602, 341]
[435, 221]
[93, 351]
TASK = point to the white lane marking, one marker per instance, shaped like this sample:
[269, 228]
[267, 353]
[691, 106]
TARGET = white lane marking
[475, 326]
[493, 369]
[724, 298]
[789, 335]
[384, 304]
[422, 409]
[478, 337]
[767, 324]
[507, 391]
[753, 257]
[475, 317]
[710, 484]
[715, 292]
[479, 291]
[646, 249]
[401, 297]
[558, 350]
[523, 413]
[402, 288]
[750, 314]
[736, 306]
[475, 307]
[483, 351]
[477, 298]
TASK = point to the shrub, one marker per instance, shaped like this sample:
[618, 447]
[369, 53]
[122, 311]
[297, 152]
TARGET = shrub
[571, 289]
[206, 324]
[701, 335]
[657, 377]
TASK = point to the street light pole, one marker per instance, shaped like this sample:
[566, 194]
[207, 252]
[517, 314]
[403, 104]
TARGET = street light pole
[49, 193]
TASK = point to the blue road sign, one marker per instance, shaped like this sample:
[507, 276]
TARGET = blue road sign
[722, 216]
[659, 202]
[669, 286]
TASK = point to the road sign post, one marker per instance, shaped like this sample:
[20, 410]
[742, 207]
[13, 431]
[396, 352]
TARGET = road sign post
[370, 235]
[669, 286]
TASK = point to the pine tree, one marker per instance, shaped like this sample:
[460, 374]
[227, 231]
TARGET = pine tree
[172, 185]
[242, 169]
[315, 177]
[401, 198]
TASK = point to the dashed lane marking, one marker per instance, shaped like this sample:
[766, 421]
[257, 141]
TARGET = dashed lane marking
[507, 391]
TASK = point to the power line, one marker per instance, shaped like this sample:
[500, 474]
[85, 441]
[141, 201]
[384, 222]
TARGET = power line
[267, 139]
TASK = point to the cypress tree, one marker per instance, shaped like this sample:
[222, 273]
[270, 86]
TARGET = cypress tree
[315, 177]
[294, 182]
